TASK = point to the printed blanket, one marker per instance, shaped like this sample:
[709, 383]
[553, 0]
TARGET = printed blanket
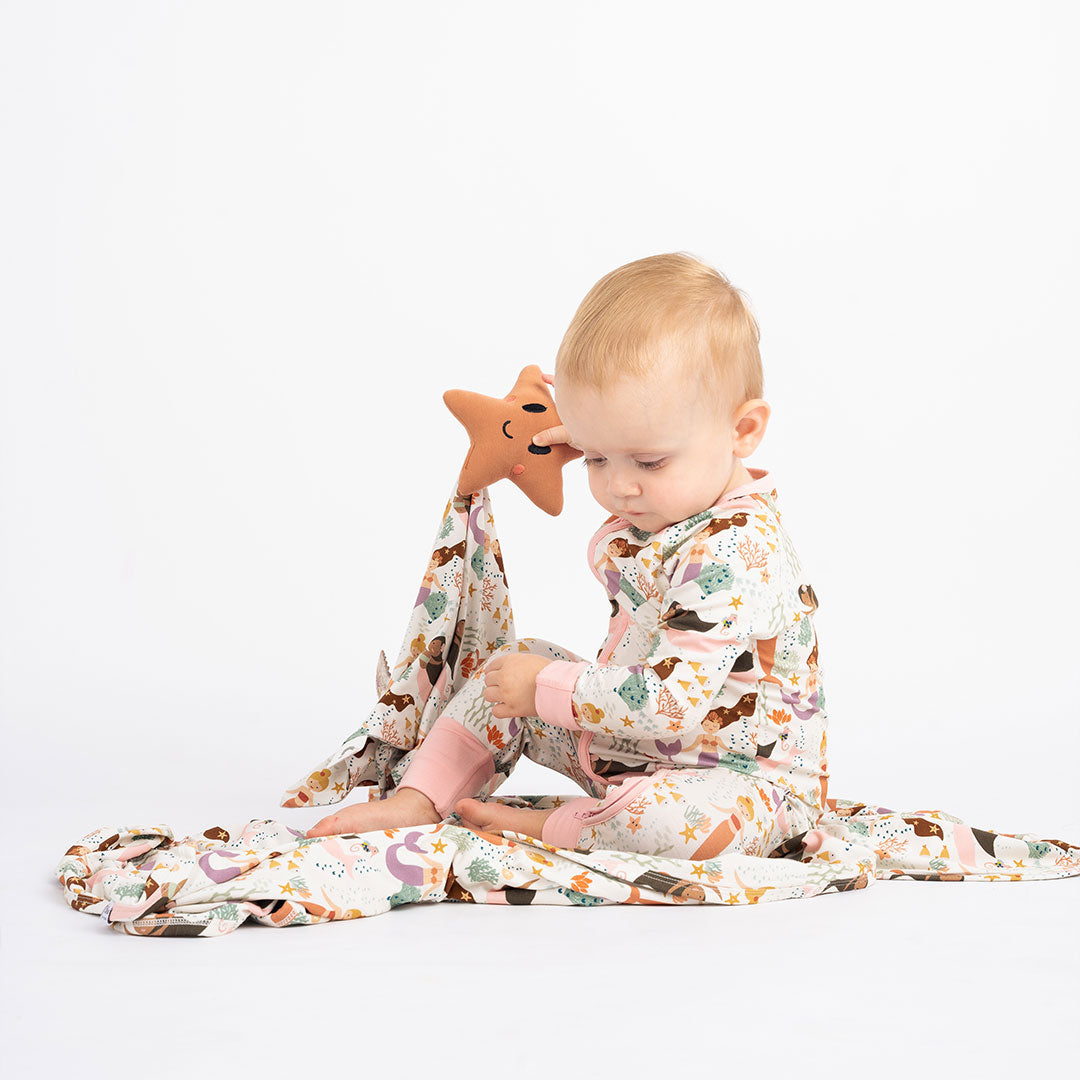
[142, 880]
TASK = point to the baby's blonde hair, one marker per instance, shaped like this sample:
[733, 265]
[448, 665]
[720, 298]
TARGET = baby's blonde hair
[674, 303]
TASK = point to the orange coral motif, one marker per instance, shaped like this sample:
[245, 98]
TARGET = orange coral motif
[668, 706]
[753, 554]
[646, 586]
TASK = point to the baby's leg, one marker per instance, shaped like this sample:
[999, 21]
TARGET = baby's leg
[680, 814]
[469, 752]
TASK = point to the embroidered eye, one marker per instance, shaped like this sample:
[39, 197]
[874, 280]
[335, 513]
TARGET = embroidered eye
[534, 407]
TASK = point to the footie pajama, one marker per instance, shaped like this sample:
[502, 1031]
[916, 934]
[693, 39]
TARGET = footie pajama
[698, 736]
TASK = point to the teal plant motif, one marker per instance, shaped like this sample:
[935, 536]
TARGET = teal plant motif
[633, 691]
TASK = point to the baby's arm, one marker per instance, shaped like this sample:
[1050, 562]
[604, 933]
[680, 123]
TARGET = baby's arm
[701, 663]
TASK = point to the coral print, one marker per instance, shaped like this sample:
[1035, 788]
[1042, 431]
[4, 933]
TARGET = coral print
[698, 735]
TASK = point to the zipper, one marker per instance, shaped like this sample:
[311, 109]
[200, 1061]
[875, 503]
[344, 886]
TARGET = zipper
[628, 791]
[613, 524]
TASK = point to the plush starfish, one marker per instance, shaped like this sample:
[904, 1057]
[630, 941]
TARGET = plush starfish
[500, 440]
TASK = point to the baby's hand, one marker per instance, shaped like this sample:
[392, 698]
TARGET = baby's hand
[510, 683]
[551, 435]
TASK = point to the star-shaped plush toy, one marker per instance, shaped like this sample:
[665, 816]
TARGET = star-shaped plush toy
[500, 440]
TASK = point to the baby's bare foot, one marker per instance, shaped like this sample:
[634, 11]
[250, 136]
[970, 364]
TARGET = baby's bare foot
[407, 806]
[494, 817]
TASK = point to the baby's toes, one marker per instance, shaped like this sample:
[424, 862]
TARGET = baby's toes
[474, 813]
[325, 827]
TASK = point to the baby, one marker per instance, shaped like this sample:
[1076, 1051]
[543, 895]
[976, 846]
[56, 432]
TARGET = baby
[707, 701]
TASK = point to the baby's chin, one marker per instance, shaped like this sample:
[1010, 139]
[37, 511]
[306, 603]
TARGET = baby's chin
[647, 522]
[653, 522]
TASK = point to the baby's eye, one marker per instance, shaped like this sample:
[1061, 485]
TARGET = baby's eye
[644, 464]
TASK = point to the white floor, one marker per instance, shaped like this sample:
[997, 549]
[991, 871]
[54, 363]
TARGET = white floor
[934, 977]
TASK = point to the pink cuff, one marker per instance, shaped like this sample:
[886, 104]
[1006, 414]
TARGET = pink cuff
[554, 687]
[562, 827]
[450, 764]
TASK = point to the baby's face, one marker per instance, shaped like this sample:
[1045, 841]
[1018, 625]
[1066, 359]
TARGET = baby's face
[652, 457]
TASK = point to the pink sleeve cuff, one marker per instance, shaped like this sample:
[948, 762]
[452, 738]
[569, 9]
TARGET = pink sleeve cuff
[554, 687]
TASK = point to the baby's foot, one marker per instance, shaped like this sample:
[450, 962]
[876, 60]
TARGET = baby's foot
[406, 806]
[494, 817]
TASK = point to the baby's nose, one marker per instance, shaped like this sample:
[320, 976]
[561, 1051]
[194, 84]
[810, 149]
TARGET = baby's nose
[623, 485]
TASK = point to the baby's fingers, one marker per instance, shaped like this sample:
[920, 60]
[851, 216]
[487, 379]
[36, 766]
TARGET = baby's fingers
[551, 435]
[494, 699]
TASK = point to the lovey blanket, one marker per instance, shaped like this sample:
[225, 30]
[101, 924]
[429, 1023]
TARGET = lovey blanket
[142, 880]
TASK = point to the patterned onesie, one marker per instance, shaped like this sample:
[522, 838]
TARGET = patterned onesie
[700, 727]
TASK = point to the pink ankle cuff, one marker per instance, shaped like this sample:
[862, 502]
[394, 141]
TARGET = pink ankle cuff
[450, 764]
[562, 827]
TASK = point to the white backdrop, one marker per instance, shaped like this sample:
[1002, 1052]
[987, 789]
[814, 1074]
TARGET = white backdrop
[247, 246]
